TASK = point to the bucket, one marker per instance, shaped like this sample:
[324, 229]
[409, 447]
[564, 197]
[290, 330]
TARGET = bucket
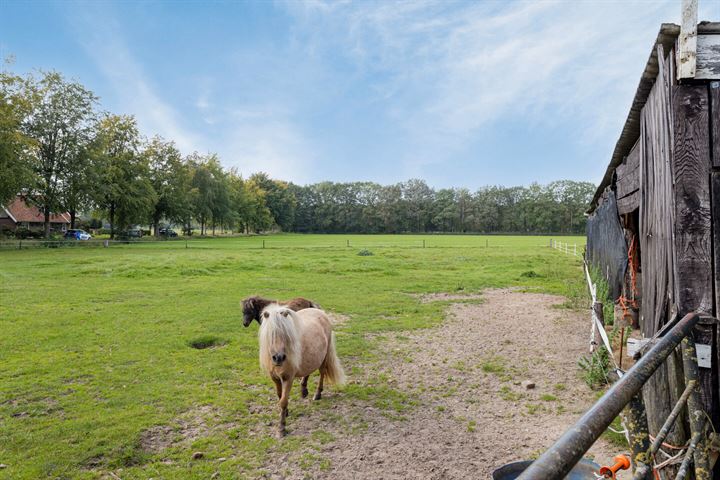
[584, 470]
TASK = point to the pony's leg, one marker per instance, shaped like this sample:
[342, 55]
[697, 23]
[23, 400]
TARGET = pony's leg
[303, 384]
[286, 386]
[278, 386]
[318, 393]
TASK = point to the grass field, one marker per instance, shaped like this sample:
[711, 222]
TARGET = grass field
[95, 342]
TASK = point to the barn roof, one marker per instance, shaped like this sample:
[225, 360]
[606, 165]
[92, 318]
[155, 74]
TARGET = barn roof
[666, 37]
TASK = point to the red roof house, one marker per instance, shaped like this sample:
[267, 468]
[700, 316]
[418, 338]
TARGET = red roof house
[19, 214]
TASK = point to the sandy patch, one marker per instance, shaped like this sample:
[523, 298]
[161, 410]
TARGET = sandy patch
[473, 414]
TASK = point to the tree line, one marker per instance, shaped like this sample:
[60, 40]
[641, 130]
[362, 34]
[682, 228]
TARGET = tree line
[63, 154]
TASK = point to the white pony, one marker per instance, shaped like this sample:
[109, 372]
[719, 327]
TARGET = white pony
[295, 344]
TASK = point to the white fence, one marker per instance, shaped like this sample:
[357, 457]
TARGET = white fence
[565, 247]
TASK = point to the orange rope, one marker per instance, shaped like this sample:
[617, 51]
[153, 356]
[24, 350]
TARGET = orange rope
[626, 303]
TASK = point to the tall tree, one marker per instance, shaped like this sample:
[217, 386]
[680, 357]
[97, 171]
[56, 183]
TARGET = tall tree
[60, 125]
[278, 198]
[125, 193]
[15, 172]
[170, 178]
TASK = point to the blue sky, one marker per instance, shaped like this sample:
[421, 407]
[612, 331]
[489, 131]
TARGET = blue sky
[460, 94]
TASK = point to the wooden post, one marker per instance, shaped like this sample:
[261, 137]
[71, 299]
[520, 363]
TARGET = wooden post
[687, 41]
[348, 242]
[423, 243]
[263, 244]
[715, 122]
[693, 227]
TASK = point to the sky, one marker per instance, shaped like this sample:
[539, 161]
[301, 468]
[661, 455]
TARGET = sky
[460, 94]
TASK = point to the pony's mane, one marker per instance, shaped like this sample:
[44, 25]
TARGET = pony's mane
[279, 328]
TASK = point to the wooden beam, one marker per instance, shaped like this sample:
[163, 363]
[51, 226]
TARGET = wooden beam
[715, 130]
[715, 189]
[708, 57]
[691, 172]
[693, 222]
[687, 41]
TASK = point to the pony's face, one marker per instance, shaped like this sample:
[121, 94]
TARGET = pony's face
[278, 347]
[248, 307]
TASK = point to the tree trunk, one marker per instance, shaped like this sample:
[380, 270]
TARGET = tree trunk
[112, 221]
[46, 211]
[72, 218]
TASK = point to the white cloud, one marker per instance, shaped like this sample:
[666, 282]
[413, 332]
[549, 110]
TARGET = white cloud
[269, 145]
[102, 39]
[448, 70]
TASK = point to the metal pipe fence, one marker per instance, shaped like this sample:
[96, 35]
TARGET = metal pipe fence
[559, 460]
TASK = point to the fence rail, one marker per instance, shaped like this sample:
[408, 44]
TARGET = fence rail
[265, 243]
[565, 247]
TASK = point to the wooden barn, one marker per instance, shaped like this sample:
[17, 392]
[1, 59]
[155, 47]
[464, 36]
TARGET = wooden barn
[654, 223]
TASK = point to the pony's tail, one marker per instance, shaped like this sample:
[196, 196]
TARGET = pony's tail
[333, 370]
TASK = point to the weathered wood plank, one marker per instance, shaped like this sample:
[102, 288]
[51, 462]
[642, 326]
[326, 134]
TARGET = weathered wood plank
[687, 41]
[656, 203]
[628, 182]
[691, 169]
[693, 228]
[629, 202]
[715, 195]
[708, 57]
[715, 125]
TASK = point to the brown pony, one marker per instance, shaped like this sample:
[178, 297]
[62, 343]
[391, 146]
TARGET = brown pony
[252, 306]
[293, 345]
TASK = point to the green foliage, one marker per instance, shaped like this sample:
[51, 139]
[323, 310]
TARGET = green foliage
[95, 350]
[14, 146]
[365, 253]
[595, 368]
[125, 192]
[603, 295]
[412, 206]
[56, 117]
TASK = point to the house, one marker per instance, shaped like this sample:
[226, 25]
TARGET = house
[19, 214]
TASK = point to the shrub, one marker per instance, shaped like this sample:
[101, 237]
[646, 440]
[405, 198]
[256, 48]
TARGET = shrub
[365, 253]
[595, 368]
[6, 232]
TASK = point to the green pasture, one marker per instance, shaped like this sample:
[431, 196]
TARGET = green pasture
[95, 342]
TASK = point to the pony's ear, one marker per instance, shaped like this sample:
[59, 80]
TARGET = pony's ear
[266, 314]
[250, 302]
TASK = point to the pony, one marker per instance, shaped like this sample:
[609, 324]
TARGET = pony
[253, 306]
[293, 345]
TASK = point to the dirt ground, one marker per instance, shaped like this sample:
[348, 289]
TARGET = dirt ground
[472, 413]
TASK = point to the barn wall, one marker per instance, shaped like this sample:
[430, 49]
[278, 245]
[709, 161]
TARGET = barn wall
[657, 217]
[606, 246]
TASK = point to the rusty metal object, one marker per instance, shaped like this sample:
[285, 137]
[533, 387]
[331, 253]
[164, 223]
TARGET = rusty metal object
[567, 451]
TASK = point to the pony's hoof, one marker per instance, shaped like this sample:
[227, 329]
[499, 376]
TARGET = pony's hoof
[304, 394]
[282, 433]
[317, 396]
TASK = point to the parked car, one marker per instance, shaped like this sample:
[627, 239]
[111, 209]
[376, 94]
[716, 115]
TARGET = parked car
[168, 232]
[76, 234]
[132, 233]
